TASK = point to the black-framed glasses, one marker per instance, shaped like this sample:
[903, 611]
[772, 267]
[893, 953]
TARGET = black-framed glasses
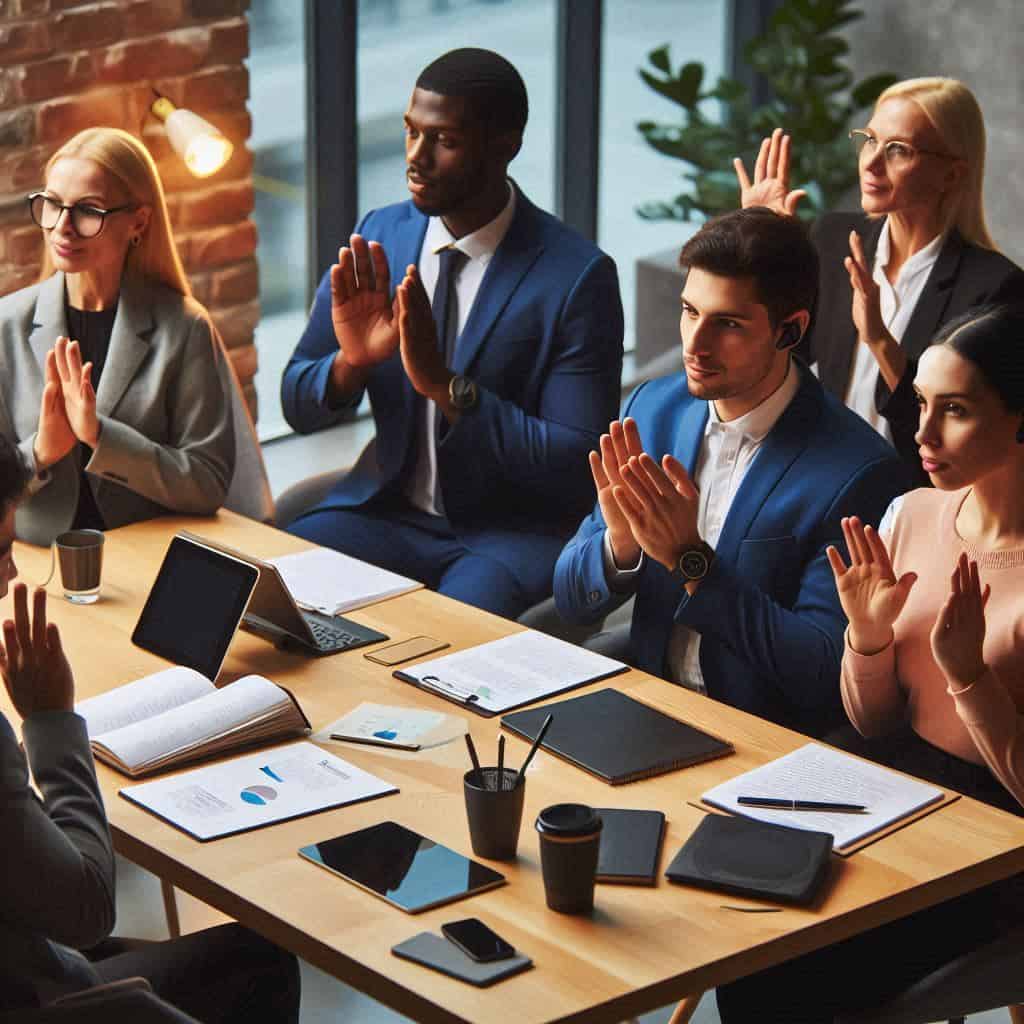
[86, 220]
[897, 153]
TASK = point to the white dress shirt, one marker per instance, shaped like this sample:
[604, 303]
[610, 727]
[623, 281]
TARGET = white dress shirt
[898, 302]
[725, 456]
[479, 248]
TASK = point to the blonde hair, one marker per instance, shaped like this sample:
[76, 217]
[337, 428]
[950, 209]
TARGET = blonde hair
[955, 114]
[126, 159]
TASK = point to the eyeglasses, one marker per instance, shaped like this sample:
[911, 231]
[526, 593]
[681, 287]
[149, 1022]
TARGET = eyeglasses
[87, 221]
[897, 153]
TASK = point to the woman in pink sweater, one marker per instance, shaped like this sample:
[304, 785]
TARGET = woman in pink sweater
[933, 673]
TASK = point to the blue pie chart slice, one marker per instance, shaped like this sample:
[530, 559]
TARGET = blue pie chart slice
[258, 794]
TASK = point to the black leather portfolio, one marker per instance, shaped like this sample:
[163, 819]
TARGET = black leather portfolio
[615, 737]
[630, 844]
[753, 858]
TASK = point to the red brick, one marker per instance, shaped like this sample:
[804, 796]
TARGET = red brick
[17, 129]
[60, 76]
[214, 89]
[245, 360]
[221, 204]
[24, 41]
[237, 324]
[22, 171]
[11, 9]
[13, 278]
[218, 246]
[175, 53]
[229, 42]
[209, 10]
[145, 17]
[57, 120]
[88, 26]
[21, 246]
[235, 284]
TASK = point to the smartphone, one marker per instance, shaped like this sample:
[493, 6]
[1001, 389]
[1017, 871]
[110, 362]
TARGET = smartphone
[476, 940]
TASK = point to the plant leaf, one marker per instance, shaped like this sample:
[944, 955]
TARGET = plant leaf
[866, 92]
[659, 58]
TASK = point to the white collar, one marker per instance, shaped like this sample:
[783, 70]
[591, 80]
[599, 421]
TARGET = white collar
[478, 245]
[757, 424]
[922, 259]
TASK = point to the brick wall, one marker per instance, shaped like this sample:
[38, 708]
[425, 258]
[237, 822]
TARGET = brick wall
[65, 66]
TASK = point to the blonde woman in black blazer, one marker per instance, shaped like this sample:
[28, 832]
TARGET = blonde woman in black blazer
[921, 166]
[152, 432]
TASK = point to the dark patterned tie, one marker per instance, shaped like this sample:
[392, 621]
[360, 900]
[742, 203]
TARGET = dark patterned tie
[444, 305]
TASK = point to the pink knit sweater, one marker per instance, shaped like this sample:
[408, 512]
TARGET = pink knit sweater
[982, 723]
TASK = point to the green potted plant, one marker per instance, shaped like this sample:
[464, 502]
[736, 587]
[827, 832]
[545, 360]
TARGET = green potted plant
[800, 55]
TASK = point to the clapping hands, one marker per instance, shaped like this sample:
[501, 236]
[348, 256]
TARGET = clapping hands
[67, 411]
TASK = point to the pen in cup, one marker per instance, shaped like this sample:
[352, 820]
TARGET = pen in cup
[533, 750]
[784, 804]
[499, 782]
[475, 760]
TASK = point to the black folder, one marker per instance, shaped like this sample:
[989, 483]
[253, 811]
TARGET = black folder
[617, 738]
[630, 844]
[754, 858]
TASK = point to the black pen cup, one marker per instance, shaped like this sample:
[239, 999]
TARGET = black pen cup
[494, 807]
[570, 840]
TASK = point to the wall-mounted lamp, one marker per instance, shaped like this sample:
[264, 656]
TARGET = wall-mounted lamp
[204, 149]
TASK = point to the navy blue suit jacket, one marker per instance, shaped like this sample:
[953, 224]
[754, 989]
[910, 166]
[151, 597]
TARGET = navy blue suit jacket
[768, 612]
[544, 344]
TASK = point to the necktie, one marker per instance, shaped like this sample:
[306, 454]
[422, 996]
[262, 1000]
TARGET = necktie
[444, 305]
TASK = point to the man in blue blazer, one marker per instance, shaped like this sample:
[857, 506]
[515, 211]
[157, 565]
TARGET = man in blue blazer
[491, 369]
[723, 542]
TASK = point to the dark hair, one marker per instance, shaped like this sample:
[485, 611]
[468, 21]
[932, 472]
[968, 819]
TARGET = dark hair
[992, 338]
[494, 91]
[13, 474]
[773, 250]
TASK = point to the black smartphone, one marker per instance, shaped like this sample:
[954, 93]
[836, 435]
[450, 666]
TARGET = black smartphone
[476, 940]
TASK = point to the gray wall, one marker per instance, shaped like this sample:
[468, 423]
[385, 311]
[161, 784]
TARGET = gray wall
[981, 42]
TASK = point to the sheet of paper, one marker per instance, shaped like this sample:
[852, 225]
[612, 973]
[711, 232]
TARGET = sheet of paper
[330, 582]
[514, 670]
[815, 772]
[136, 701]
[388, 725]
[256, 790]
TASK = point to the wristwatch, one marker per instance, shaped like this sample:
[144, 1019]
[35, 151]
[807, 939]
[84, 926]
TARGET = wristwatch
[694, 562]
[462, 393]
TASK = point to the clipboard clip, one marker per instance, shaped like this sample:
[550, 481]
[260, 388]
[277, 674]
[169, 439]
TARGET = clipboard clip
[448, 689]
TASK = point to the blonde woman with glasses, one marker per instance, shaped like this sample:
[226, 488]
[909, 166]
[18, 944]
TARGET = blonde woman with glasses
[919, 254]
[114, 384]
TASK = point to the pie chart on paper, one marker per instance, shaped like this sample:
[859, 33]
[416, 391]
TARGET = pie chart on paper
[258, 794]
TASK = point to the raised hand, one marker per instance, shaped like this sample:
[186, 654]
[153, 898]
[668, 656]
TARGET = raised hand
[871, 595]
[867, 306]
[424, 365]
[617, 446]
[958, 635]
[76, 387]
[54, 437]
[34, 667]
[361, 309]
[771, 177]
[660, 504]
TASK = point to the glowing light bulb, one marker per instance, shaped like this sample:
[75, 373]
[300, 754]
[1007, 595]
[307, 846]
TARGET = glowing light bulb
[203, 148]
[207, 154]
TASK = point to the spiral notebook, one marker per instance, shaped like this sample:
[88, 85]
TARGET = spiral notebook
[617, 738]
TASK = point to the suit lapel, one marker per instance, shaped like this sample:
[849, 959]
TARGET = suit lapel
[129, 344]
[690, 435]
[930, 309]
[518, 252]
[408, 245]
[784, 443]
[50, 321]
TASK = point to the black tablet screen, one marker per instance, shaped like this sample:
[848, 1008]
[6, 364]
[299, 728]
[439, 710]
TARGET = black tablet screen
[195, 606]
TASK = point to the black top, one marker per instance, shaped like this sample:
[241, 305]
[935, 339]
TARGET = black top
[964, 276]
[92, 330]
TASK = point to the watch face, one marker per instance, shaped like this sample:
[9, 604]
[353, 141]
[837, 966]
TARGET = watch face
[463, 392]
[694, 565]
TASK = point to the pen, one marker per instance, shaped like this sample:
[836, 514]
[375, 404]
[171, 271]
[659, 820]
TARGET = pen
[500, 781]
[474, 759]
[798, 805]
[533, 750]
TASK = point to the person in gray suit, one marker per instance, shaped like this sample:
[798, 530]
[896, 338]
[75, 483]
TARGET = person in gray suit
[132, 418]
[57, 867]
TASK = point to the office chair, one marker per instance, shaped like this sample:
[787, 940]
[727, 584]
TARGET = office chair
[130, 999]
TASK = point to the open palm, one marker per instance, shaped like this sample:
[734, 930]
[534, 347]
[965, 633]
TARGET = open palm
[871, 595]
[365, 324]
[770, 186]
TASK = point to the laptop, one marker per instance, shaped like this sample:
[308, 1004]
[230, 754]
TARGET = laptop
[273, 614]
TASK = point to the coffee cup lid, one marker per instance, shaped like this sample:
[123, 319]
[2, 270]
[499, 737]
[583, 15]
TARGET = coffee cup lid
[568, 820]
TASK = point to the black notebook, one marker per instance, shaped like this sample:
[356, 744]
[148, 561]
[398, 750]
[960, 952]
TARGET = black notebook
[617, 738]
[753, 858]
[630, 844]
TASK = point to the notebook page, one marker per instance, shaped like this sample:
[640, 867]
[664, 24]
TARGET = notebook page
[192, 723]
[514, 670]
[330, 582]
[815, 772]
[142, 699]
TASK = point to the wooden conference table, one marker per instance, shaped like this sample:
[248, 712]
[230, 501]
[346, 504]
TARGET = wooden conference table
[641, 949]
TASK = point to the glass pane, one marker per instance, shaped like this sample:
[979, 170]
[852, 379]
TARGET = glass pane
[398, 38]
[631, 171]
[277, 86]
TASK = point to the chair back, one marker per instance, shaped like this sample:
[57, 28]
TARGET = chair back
[249, 493]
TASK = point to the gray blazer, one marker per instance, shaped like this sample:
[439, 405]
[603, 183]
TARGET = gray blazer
[57, 877]
[164, 402]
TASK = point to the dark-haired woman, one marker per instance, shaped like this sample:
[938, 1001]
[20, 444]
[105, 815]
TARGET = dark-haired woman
[933, 673]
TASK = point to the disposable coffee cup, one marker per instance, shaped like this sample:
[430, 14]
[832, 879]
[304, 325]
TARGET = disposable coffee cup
[494, 808]
[80, 556]
[570, 840]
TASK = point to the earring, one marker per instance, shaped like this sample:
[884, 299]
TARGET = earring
[136, 240]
